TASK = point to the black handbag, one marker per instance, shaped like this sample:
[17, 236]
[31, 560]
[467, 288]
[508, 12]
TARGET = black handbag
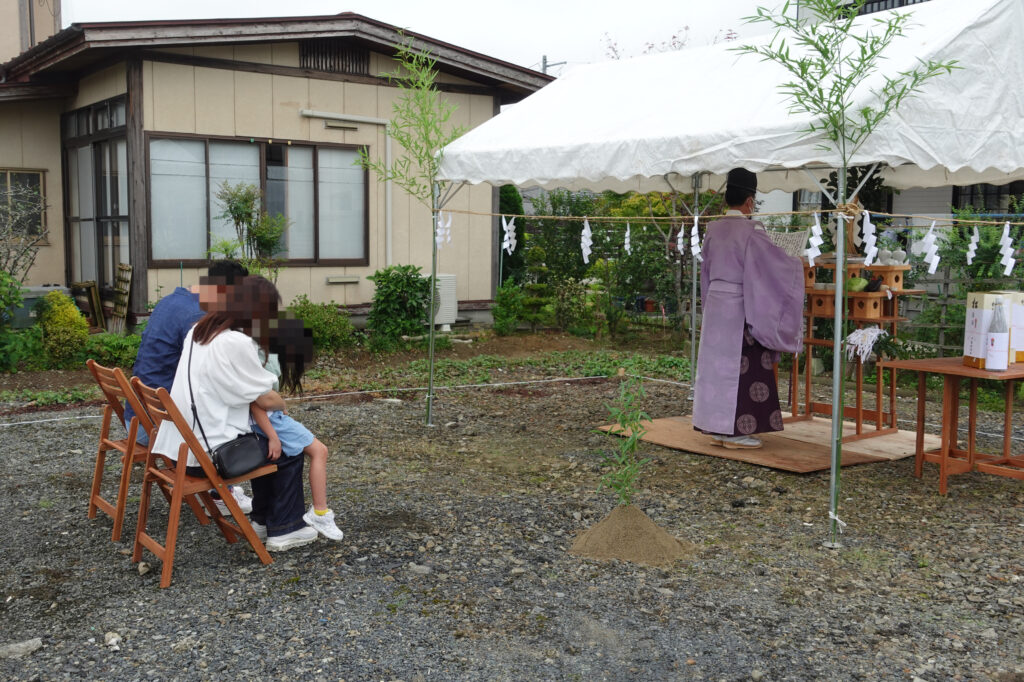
[238, 456]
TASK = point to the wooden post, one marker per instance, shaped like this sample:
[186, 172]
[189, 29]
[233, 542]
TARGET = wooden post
[138, 225]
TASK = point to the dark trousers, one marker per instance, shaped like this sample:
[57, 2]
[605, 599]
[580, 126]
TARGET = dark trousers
[278, 501]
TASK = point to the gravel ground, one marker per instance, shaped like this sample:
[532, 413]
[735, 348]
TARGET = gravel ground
[454, 565]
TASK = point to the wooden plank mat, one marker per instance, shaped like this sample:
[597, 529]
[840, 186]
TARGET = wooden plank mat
[890, 446]
[779, 451]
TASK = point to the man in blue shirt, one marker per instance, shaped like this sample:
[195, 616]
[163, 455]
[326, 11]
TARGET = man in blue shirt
[164, 336]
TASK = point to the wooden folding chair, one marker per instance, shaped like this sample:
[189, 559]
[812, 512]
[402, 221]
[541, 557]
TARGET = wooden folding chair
[117, 391]
[170, 476]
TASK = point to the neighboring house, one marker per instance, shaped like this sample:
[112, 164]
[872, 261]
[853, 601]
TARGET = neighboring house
[130, 127]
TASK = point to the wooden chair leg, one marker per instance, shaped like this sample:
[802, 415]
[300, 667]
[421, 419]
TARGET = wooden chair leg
[197, 509]
[97, 477]
[242, 526]
[171, 542]
[140, 528]
[101, 461]
[127, 465]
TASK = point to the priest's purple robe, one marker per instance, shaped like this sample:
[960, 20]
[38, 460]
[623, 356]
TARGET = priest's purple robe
[747, 285]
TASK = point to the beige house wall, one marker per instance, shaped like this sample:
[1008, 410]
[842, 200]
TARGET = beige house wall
[12, 24]
[10, 30]
[208, 101]
[96, 87]
[31, 141]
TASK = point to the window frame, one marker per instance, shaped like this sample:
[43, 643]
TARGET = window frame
[43, 232]
[967, 195]
[316, 260]
[92, 138]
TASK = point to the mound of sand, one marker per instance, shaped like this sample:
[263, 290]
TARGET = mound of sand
[628, 534]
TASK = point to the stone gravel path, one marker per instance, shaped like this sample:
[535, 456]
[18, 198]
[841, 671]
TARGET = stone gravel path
[454, 565]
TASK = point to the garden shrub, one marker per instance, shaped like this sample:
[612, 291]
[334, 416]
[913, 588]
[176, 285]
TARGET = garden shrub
[399, 305]
[332, 329]
[112, 350]
[65, 331]
[508, 308]
[570, 304]
[10, 298]
[22, 349]
[538, 291]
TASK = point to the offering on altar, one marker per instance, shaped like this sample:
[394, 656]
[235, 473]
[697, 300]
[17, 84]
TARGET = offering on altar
[1013, 304]
[977, 324]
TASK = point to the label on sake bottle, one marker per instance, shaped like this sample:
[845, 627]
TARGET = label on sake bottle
[997, 357]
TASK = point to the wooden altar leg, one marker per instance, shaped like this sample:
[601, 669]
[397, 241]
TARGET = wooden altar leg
[1008, 419]
[921, 397]
[859, 421]
[879, 379]
[794, 380]
[972, 421]
[950, 410]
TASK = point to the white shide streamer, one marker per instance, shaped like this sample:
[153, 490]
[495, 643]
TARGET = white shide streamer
[870, 250]
[931, 250]
[1006, 251]
[586, 241]
[509, 242]
[695, 239]
[972, 247]
[815, 242]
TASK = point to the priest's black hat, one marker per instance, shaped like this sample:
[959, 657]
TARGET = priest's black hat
[741, 178]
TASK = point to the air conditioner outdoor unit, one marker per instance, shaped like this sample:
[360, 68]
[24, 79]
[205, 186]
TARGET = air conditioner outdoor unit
[446, 307]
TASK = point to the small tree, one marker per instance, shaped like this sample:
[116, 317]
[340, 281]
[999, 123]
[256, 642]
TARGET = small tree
[258, 235]
[538, 291]
[828, 62]
[420, 125]
[508, 308]
[623, 466]
[21, 230]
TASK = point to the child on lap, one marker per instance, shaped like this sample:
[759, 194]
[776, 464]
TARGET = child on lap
[289, 348]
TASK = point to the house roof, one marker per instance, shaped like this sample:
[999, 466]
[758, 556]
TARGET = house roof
[83, 46]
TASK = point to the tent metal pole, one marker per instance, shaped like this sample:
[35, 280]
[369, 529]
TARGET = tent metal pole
[864, 180]
[695, 184]
[434, 213]
[821, 187]
[449, 194]
[837, 369]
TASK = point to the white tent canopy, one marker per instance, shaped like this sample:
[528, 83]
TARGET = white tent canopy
[649, 123]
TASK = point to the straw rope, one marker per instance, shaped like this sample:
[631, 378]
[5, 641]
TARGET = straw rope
[941, 220]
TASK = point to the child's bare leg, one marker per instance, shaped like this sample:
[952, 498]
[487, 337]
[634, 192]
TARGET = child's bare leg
[317, 453]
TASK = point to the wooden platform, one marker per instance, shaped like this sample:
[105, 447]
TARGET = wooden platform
[801, 448]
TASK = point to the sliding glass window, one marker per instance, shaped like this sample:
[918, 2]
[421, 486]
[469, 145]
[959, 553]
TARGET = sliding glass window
[318, 188]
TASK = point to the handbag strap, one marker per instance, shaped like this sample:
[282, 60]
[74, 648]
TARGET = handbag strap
[192, 398]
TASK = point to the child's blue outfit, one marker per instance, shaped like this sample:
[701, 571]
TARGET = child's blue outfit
[294, 436]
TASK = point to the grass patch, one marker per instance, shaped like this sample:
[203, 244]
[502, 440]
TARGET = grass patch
[571, 363]
[51, 396]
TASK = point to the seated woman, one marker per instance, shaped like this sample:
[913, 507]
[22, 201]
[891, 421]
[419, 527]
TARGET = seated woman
[221, 365]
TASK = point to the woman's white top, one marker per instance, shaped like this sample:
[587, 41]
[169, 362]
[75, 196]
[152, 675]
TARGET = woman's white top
[226, 377]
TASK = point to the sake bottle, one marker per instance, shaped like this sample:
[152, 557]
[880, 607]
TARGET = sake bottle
[997, 356]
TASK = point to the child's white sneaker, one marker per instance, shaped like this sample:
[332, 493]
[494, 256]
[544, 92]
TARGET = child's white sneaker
[324, 523]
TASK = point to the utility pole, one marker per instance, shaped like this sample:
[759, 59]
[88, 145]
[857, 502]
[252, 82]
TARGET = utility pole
[544, 64]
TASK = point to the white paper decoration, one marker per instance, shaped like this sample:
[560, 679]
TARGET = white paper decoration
[509, 241]
[586, 241]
